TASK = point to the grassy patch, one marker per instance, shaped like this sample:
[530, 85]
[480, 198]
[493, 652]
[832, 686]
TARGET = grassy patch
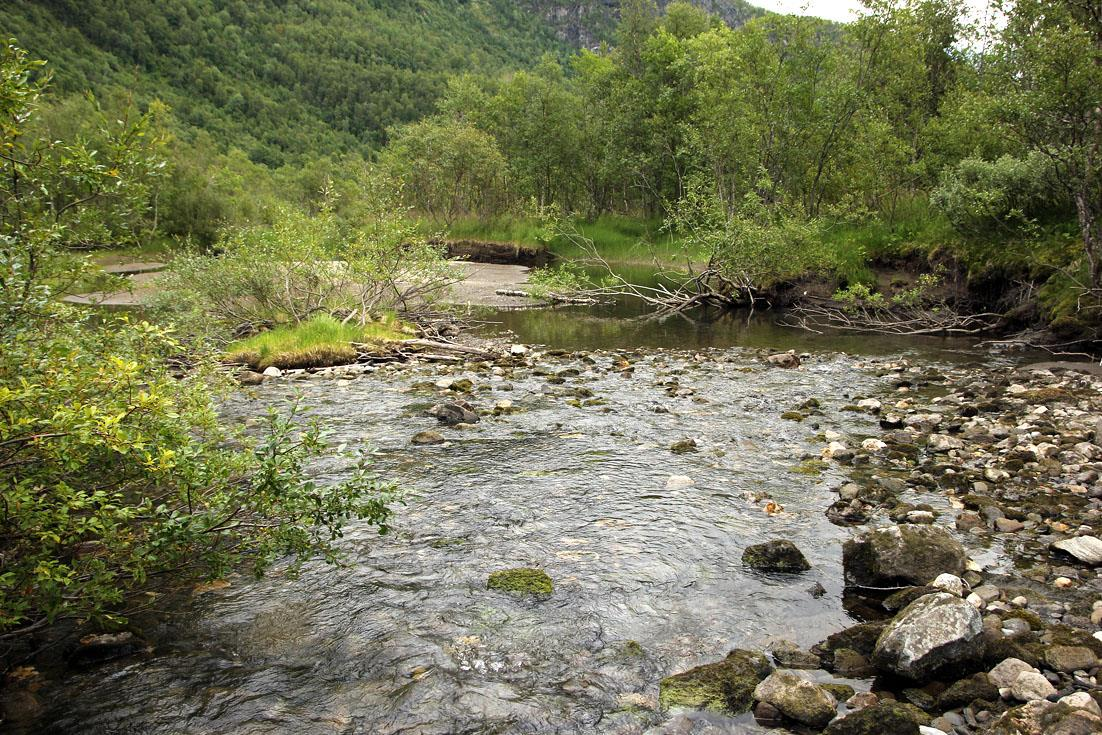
[618, 239]
[523, 580]
[320, 342]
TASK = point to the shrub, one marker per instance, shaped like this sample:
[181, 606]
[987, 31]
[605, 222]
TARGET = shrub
[1002, 197]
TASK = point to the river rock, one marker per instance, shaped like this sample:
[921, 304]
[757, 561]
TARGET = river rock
[725, 686]
[883, 718]
[797, 698]
[1041, 717]
[785, 359]
[790, 656]
[779, 555]
[425, 438]
[907, 554]
[943, 443]
[1006, 672]
[1082, 700]
[1086, 549]
[456, 412]
[1030, 685]
[950, 583]
[1070, 658]
[250, 377]
[272, 372]
[932, 632]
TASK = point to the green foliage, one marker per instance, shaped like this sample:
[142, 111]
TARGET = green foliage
[318, 342]
[561, 279]
[449, 168]
[279, 80]
[301, 266]
[757, 246]
[113, 466]
[1004, 197]
[113, 470]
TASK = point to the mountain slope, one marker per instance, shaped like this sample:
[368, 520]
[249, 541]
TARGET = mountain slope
[283, 79]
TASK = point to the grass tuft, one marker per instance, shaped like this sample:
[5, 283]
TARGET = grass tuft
[320, 342]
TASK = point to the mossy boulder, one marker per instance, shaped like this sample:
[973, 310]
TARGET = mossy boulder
[725, 686]
[910, 554]
[778, 555]
[965, 691]
[522, 580]
[882, 718]
[797, 698]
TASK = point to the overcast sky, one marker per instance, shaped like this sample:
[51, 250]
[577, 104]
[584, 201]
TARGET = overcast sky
[832, 9]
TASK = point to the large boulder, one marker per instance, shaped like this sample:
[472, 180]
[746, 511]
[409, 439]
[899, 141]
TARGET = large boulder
[725, 686]
[910, 554]
[882, 718]
[931, 633]
[797, 698]
[775, 556]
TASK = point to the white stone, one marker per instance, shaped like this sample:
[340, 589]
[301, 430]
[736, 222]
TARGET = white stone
[272, 372]
[1006, 672]
[1087, 549]
[996, 475]
[950, 583]
[1082, 700]
[976, 601]
[927, 730]
[873, 445]
[944, 443]
[870, 404]
[1062, 583]
[1030, 686]
[832, 436]
[679, 482]
[834, 449]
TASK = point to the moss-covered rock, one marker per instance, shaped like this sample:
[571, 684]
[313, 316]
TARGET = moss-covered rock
[792, 416]
[882, 718]
[966, 691]
[906, 554]
[522, 580]
[899, 600]
[778, 555]
[724, 686]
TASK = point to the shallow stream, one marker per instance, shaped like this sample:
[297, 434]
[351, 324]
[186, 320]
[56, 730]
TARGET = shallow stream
[647, 571]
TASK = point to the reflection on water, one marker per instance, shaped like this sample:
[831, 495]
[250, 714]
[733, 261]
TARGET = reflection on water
[625, 325]
[406, 639]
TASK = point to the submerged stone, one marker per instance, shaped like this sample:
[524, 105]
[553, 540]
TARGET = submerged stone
[779, 555]
[725, 686]
[523, 580]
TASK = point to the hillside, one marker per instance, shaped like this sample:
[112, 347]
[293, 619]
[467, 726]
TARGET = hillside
[283, 78]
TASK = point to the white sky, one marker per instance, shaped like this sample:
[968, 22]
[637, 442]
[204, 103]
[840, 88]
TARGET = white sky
[836, 9]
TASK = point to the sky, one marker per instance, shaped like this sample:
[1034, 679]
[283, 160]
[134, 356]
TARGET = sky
[832, 9]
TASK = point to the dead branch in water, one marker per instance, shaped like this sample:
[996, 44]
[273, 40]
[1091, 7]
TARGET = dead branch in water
[818, 315]
[675, 292]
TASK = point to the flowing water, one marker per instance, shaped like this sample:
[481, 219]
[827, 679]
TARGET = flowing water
[647, 572]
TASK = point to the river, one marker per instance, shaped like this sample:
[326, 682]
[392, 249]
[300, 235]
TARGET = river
[648, 580]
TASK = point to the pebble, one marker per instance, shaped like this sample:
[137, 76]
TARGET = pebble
[1030, 685]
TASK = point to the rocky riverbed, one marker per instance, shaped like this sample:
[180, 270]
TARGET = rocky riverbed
[1011, 462]
[660, 541]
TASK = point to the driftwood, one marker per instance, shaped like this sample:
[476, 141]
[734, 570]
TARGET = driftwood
[819, 315]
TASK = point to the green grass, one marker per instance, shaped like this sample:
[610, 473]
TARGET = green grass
[619, 239]
[915, 228]
[320, 342]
